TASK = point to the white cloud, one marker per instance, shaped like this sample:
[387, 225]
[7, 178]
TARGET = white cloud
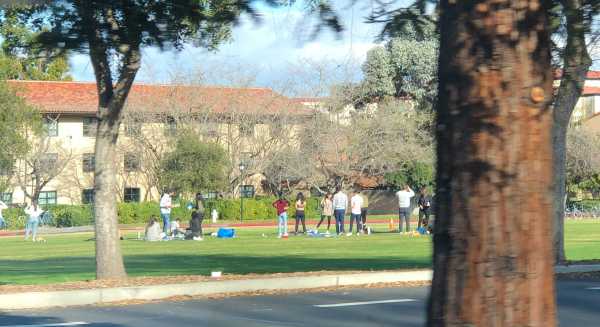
[283, 38]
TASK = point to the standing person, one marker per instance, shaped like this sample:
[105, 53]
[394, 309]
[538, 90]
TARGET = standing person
[300, 216]
[364, 210]
[282, 205]
[33, 220]
[2, 221]
[356, 202]
[424, 208]
[404, 197]
[165, 210]
[326, 211]
[197, 218]
[340, 203]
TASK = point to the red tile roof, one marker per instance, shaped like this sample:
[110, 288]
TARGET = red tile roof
[81, 98]
[591, 90]
[592, 74]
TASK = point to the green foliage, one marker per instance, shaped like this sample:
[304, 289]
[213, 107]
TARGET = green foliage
[140, 213]
[20, 60]
[416, 174]
[405, 67]
[16, 119]
[72, 215]
[194, 166]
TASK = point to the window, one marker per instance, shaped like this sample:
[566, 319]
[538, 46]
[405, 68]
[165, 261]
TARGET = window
[89, 126]
[131, 162]
[87, 196]
[132, 194]
[88, 162]
[246, 129]
[6, 168]
[210, 129]
[133, 128]
[47, 198]
[247, 191]
[48, 161]
[246, 159]
[6, 197]
[51, 126]
[171, 127]
[210, 195]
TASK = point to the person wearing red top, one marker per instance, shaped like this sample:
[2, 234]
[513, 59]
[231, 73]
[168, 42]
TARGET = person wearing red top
[282, 205]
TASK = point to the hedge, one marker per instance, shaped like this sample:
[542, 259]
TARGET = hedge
[139, 213]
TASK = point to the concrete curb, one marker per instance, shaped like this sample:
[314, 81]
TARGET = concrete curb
[562, 269]
[36, 300]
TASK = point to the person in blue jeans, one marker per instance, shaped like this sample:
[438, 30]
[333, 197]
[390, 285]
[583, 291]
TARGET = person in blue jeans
[165, 210]
[33, 221]
[2, 221]
[282, 205]
[340, 203]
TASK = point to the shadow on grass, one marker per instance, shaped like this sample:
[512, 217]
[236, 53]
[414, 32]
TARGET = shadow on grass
[49, 270]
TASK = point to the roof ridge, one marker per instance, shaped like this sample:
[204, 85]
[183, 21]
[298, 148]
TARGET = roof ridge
[146, 84]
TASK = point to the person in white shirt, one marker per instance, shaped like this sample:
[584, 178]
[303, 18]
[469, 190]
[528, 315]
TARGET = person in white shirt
[356, 203]
[152, 233]
[165, 210]
[404, 197]
[340, 203]
[2, 221]
[33, 221]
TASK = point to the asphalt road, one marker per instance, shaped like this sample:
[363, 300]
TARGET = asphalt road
[578, 301]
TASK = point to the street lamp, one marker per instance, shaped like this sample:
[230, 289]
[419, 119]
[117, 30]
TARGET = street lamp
[242, 168]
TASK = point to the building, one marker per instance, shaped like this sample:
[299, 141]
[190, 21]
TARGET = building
[589, 102]
[248, 122]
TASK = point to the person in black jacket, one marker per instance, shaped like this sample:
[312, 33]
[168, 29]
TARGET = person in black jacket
[197, 218]
[424, 208]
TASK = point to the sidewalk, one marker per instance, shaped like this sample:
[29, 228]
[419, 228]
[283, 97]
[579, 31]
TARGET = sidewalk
[36, 300]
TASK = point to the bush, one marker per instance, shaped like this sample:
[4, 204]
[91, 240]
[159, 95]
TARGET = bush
[415, 174]
[140, 213]
[72, 215]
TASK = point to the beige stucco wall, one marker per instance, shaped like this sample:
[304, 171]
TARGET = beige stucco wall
[73, 180]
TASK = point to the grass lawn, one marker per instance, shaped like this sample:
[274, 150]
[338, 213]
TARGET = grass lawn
[70, 257]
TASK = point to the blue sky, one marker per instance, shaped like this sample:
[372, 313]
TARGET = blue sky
[275, 53]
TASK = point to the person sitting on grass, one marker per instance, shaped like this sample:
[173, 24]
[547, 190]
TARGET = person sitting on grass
[176, 228]
[152, 233]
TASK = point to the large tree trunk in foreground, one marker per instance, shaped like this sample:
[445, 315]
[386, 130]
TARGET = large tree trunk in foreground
[493, 262]
[576, 62]
[111, 101]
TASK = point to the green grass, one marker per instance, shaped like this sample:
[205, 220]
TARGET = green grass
[70, 257]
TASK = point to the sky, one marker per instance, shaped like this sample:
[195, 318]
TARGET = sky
[279, 52]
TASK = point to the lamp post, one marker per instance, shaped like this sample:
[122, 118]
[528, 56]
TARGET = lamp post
[242, 168]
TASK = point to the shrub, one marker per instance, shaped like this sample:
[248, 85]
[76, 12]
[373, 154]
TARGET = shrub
[72, 215]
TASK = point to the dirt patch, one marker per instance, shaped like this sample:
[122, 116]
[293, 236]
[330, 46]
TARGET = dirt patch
[158, 280]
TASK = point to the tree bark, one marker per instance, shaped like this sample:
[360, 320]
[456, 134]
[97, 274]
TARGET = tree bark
[111, 100]
[492, 259]
[576, 63]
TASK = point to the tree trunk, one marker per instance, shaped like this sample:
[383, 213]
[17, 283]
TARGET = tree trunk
[576, 62]
[493, 240]
[109, 260]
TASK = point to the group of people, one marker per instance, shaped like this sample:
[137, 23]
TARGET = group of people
[172, 229]
[331, 206]
[336, 205]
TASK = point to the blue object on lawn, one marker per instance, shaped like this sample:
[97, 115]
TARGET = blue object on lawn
[422, 230]
[226, 233]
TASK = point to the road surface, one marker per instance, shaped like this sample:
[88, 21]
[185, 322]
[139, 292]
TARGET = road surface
[578, 301]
